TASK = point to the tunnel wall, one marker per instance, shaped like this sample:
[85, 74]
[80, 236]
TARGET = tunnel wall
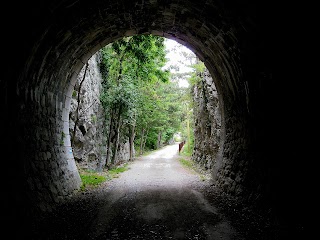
[50, 42]
[50, 171]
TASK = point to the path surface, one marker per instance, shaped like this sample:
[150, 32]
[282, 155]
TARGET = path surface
[157, 198]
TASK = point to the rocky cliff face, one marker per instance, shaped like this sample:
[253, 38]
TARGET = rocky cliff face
[207, 119]
[87, 113]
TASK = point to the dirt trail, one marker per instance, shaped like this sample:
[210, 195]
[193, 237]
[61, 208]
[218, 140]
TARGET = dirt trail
[157, 198]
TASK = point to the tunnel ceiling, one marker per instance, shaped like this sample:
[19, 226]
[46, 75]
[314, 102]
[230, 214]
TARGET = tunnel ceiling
[49, 42]
[58, 38]
[218, 32]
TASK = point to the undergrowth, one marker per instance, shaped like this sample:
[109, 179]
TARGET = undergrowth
[93, 179]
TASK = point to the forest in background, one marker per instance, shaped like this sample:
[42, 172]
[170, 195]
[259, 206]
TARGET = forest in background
[144, 102]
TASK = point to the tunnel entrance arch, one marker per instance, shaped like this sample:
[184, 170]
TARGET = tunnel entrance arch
[90, 121]
[224, 39]
[218, 160]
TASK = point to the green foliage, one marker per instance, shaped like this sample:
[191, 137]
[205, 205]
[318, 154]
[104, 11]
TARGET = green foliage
[91, 179]
[195, 77]
[137, 91]
[115, 171]
[94, 118]
[63, 135]
[187, 149]
[199, 67]
[161, 109]
[127, 63]
[187, 163]
[177, 138]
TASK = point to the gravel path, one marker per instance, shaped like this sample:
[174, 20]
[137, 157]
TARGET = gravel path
[157, 198]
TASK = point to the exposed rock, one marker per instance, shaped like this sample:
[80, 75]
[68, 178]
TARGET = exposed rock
[207, 120]
[89, 145]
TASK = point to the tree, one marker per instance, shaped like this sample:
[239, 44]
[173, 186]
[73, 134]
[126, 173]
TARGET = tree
[127, 65]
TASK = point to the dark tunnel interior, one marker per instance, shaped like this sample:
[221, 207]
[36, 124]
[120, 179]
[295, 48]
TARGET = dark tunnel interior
[45, 45]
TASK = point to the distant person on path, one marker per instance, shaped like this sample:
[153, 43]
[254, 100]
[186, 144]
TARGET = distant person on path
[181, 145]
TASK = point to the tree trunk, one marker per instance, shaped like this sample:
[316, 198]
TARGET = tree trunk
[111, 123]
[141, 141]
[144, 140]
[131, 140]
[117, 134]
[159, 140]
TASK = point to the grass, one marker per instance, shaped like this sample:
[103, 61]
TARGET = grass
[92, 179]
[115, 171]
[147, 152]
[188, 163]
[187, 150]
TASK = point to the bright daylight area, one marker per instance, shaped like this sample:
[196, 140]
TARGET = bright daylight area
[143, 102]
[180, 57]
[133, 134]
[132, 128]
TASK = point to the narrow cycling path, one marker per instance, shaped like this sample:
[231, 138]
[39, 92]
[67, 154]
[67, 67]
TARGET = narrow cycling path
[157, 198]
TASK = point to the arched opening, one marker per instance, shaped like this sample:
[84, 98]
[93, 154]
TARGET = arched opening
[64, 89]
[216, 159]
[141, 127]
[229, 38]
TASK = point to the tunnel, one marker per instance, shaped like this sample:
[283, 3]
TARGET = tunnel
[47, 43]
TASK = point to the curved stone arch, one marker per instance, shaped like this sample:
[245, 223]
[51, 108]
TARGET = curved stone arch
[75, 30]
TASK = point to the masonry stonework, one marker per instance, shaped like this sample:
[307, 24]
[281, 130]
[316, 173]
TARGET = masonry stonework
[48, 44]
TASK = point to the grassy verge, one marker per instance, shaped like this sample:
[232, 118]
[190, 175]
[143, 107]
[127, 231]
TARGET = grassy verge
[191, 165]
[186, 150]
[187, 163]
[92, 179]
